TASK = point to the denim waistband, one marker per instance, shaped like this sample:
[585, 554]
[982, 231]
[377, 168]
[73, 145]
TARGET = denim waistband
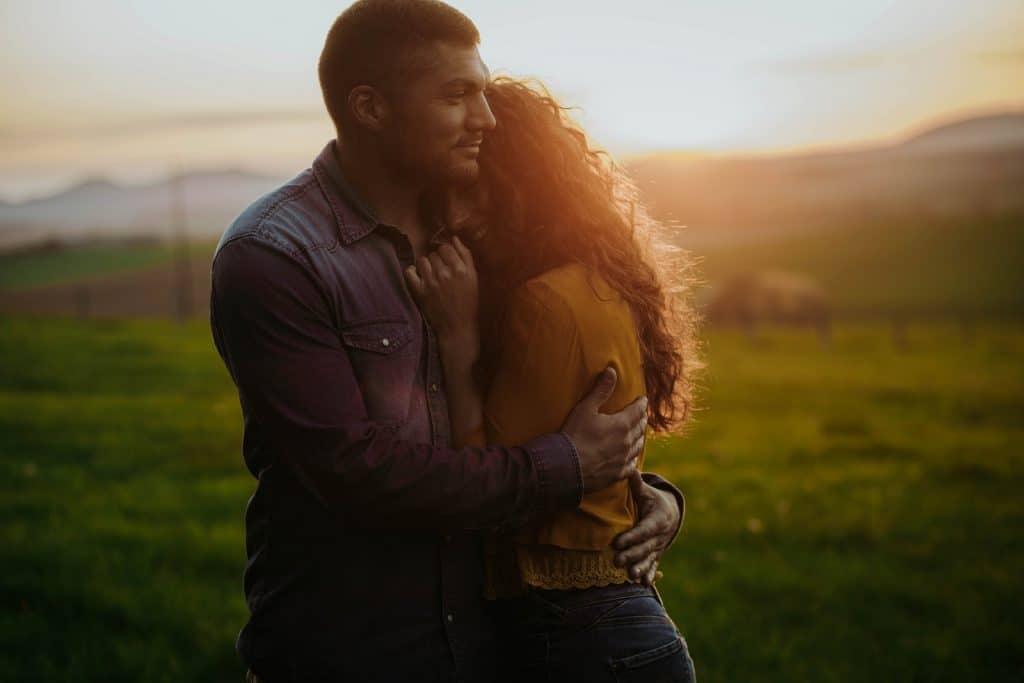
[583, 596]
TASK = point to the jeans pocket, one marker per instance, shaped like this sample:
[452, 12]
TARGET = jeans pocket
[668, 663]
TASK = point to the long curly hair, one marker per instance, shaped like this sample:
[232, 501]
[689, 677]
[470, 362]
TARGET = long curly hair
[553, 199]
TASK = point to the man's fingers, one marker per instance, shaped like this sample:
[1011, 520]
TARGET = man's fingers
[636, 485]
[646, 529]
[637, 552]
[639, 569]
[603, 389]
[636, 433]
[637, 447]
[636, 412]
[630, 468]
[652, 574]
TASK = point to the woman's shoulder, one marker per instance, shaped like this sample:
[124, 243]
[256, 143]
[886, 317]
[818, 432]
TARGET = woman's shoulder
[578, 293]
[582, 306]
[573, 285]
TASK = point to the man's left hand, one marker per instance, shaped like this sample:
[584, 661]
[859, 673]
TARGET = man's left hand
[640, 548]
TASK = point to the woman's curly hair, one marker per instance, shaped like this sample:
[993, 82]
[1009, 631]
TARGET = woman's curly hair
[554, 199]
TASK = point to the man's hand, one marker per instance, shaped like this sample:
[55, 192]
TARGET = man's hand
[607, 444]
[641, 547]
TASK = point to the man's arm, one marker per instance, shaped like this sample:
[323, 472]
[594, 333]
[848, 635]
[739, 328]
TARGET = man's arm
[272, 325]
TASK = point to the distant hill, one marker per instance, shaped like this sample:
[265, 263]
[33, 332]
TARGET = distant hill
[964, 168]
[98, 207]
[995, 131]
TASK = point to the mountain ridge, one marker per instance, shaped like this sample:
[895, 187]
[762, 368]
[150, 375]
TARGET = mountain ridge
[954, 167]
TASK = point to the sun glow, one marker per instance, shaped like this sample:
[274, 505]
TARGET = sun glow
[233, 84]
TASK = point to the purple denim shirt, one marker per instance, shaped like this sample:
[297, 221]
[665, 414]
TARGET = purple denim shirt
[361, 558]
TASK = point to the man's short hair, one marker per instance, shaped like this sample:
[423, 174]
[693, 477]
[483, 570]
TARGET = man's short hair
[375, 42]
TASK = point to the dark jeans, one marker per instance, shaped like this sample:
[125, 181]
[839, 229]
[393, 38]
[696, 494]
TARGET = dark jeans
[612, 633]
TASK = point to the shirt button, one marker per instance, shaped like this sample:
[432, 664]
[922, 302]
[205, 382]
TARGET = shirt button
[433, 387]
[451, 617]
[385, 342]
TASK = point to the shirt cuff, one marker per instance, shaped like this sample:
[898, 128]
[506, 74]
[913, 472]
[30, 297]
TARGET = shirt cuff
[652, 479]
[559, 476]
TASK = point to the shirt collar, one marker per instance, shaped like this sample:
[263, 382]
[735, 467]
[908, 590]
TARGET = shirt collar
[354, 216]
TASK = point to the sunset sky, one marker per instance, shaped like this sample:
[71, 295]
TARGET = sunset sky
[130, 90]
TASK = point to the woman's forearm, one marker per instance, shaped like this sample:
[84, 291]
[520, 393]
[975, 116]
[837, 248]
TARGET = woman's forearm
[465, 401]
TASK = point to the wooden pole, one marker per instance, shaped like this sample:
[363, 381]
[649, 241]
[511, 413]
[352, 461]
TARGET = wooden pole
[182, 263]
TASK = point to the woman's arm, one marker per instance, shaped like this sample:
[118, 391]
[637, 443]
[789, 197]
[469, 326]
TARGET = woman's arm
[445, 285]
[465, 403]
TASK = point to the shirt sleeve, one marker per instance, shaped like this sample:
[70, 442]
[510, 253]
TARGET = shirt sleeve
[272, 325]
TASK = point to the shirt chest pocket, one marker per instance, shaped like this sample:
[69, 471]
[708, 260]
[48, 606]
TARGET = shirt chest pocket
[385, 357]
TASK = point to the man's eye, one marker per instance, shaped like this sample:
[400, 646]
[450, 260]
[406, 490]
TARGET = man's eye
[456, 95]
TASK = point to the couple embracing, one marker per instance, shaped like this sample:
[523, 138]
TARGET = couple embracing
[450, 337]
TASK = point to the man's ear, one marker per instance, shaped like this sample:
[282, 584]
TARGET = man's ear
[368, 107]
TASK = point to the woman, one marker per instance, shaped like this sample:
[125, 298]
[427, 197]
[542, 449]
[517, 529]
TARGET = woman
[570, 284]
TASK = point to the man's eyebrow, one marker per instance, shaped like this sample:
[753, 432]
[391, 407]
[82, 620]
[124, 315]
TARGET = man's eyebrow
[465, 82]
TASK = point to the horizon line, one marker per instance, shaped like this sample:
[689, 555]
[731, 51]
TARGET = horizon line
[218, 119]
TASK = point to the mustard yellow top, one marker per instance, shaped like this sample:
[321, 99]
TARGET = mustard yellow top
[560, 331]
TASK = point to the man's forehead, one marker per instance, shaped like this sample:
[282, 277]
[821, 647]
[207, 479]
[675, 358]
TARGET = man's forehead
[445, 62]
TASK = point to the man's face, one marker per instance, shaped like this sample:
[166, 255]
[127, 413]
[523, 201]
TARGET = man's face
[439, 117]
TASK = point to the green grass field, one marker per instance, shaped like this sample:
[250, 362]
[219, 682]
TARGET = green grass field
[19, 270]
[971, 268]
[854, 513]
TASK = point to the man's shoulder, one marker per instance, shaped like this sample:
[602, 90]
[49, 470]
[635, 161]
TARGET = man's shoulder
[293, 218]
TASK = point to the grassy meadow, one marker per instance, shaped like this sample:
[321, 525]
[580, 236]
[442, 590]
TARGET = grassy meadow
[854, 512]
[34, 268]
[968, 268]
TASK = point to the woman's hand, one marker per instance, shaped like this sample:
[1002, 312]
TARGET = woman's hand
[444, 284]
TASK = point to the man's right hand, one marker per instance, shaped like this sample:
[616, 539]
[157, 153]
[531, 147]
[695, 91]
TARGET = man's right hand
[608, 445]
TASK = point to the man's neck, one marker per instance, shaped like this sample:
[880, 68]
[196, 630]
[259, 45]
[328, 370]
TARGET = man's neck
[394, 200]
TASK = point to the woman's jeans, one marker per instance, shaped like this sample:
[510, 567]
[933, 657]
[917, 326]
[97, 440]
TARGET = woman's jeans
[612, 633]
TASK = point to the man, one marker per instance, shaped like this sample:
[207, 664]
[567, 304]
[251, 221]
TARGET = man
[363, 564]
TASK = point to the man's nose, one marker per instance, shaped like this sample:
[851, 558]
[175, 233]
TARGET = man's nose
[482, 118]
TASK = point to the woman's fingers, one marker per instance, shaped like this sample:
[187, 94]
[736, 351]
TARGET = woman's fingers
[412, 278]
[442, 272]
[426, 271]
[441, 266]
[463, 251]
[450, 257]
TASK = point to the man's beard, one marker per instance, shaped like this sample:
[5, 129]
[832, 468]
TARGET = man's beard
[463, 175]
[437, 177]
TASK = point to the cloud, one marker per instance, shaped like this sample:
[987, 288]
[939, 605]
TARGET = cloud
[1002, 57]
[833, 63]
[158, 124]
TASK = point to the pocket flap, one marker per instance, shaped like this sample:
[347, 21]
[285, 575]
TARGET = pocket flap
[379, 336]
